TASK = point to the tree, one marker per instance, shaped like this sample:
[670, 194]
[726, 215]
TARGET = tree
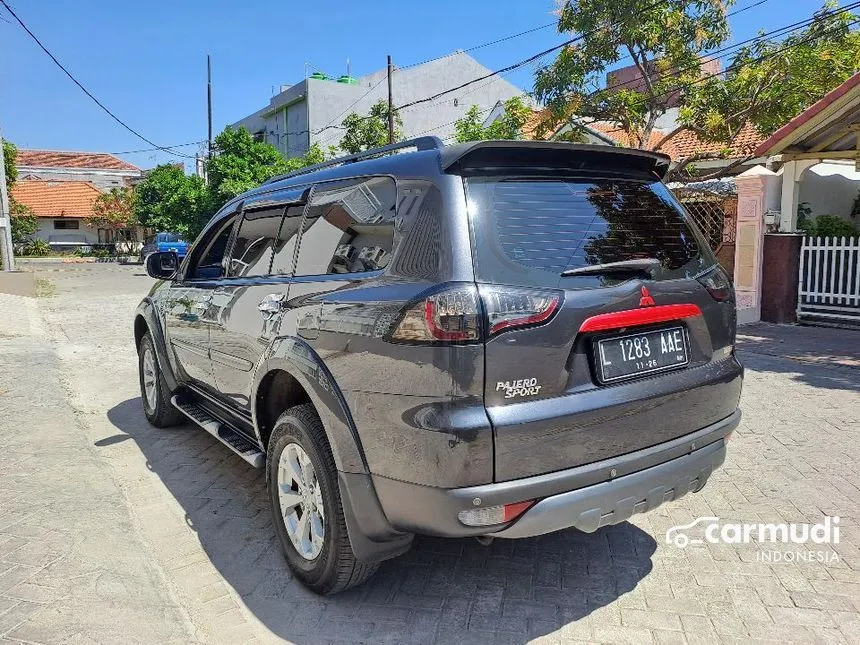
[243, 163]
[509, 126]
[169, 200]
[23, 222]
[765, 84]
[114, 211]
[370, 131]
[769, 82]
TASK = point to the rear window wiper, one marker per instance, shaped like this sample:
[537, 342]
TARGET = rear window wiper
[641, 265]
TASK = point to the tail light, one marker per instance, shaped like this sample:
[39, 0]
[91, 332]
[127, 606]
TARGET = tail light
[458, 314]
[453, 315]
[507, 307]
[717, 283]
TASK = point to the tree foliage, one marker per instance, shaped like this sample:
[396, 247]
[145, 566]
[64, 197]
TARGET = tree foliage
[764, 84]
[23, 222]
[370, 131]
[169, 200]
[242, 163]
[114, 210]
[508, 126]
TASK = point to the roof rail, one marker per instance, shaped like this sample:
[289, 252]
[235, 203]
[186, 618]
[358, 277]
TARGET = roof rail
[421, 143]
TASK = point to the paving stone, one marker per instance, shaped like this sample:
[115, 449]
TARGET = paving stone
[109, 526]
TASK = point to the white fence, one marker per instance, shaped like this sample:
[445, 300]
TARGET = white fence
[829, 278]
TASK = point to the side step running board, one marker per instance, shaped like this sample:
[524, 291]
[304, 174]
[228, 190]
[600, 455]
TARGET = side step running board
[221, 431]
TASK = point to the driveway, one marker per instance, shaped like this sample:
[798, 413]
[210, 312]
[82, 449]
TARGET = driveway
[114, 531]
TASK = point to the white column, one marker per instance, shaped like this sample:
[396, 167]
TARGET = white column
[792, 171]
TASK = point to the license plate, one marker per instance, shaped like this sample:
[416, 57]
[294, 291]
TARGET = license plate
[633, 355]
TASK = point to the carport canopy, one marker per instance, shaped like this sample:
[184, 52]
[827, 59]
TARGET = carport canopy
[828, 129]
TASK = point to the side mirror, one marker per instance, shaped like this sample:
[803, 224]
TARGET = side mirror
[162, 265]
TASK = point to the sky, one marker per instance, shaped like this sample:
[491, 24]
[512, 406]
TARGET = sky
[146, 61]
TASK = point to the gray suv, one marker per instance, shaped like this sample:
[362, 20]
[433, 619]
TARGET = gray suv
[495, 339]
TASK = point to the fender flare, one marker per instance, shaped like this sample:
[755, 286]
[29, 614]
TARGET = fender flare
[147, 311]
[298, 359]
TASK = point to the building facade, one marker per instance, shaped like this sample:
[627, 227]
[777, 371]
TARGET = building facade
[312, 111]
[61, 187]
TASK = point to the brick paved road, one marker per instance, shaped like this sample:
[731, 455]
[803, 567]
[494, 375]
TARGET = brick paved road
[109, 527]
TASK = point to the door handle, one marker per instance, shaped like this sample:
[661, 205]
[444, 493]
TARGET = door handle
[271, 304]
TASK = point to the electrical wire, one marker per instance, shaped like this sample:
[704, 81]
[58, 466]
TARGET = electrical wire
[85, 90]
[179, 145]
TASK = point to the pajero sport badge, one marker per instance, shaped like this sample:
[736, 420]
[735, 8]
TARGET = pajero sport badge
[523, 387]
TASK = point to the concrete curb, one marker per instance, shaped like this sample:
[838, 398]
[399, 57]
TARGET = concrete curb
[122, 259]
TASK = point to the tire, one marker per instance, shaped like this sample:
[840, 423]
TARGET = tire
[158, 409]
[330, 566]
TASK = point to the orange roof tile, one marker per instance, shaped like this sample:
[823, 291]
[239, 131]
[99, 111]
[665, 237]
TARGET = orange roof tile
[57, 198]
[682, 145]
[687, 143]
[78, 160]
[621, 137]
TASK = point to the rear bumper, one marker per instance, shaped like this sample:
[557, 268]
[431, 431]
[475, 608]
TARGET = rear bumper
[611, 502]
[586, 497]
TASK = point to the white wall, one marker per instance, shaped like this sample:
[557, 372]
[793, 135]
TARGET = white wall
[84, 234]
[830, 188]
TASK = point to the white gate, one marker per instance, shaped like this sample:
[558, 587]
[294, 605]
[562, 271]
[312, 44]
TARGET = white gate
[829, 279]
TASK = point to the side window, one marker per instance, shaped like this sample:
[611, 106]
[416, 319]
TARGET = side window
[285, 247]
[205, 262]
[252, 251]
[349, 227]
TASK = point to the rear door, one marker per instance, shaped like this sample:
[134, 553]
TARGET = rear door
[582, 368]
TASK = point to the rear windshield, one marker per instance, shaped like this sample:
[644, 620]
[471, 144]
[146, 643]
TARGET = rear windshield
[527, 231]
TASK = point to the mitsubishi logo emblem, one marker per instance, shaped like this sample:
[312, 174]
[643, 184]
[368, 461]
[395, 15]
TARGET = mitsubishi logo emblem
[646, 300]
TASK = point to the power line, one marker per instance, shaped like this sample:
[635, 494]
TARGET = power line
[85, 90]
[785, 30]
[179, 145]
[430, 60]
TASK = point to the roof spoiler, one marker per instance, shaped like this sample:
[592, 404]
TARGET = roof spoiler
[483, 157]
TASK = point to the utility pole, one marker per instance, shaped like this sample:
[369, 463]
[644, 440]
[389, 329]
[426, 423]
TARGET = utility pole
[390, 104]
[5, 220]
[209, 99]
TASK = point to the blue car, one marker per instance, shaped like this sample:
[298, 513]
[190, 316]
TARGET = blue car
[164, 242]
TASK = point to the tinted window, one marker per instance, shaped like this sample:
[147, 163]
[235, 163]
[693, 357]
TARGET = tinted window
[252, 251]
[164, 238]
[529, 231]
[349, 227]
[208, 255]
[285, 248]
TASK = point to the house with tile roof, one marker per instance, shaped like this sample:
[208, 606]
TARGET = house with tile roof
[102, 170]
[60, 187]
[679, 147]
[62, 208]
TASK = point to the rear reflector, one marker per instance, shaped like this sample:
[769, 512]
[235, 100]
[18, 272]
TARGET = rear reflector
[494, 514]
[636, 317]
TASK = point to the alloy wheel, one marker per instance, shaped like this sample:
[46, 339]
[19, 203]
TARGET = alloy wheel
[149, 378]
[301, 501]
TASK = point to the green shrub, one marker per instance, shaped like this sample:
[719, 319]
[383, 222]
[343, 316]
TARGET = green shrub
[830, 226]
[36, 248]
